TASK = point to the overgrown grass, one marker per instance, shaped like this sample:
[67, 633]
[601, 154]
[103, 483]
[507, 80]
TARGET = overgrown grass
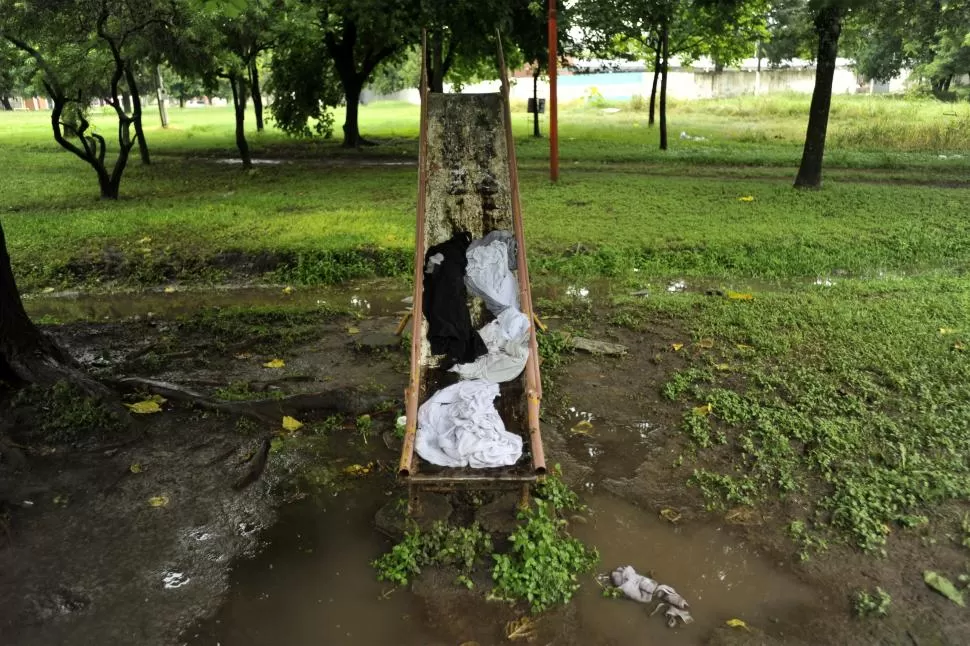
[853, 399]
[315, 219]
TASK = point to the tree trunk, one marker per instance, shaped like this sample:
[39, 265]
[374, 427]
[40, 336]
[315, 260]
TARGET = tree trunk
[136, 118]
[535, 103]
[665, 45]
[947, 82]
[126, 102]
[5, 101]
[828, 26]
[182, 100]
[239, 102]
[160, 97]
[435, 63]
[656, 78]
[27, 355]
[352, 138]
[257, 95]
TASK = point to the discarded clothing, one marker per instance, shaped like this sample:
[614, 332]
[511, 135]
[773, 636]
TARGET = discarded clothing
[507, 339]
[445, 302]
[505, 236]
[489, 275]
[459, 426]
[644, 589]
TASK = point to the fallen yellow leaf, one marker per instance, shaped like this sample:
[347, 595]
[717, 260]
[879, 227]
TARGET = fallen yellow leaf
[135, 468]
[703, 410]
[358, 469]
[707, 344]
[722, 367]
[353, 330]
[583, 428]
[746, 198]
[291, 424]
[287, 290]
[743, 348]
[959, 346]
[739, 296]
[947, 330]
[677, 346]
[47, 290]
[275, 363]
[737, 623]
[145, 407]
[144, 240]
[158, 501]
[670, 515]
[169, 290]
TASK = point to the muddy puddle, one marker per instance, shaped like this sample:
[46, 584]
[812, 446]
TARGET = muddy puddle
[366, 299]
[314, 584]
[369, 298]
[721, 577]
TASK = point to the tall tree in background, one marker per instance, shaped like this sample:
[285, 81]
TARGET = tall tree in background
[303, 81]
[790, 33]
[14, 74]
[79, 49]
[660, 29]
[530, 35]
[358, 35]
[462, 32]
[827, 18]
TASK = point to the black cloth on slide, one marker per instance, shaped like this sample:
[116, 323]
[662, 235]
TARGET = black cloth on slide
[445, 302]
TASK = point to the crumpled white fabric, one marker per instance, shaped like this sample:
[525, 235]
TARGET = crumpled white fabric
[644, 589]
[459, 426]
[488, 275]
[507, 339]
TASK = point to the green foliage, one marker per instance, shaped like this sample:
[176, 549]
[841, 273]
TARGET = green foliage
[553, 348]
[852, 396]
[543, 565]
[364, 424]
[66, 413]
[275, 329]
[808, 542]
[238, 391]
[444, 545]
[304, 83]
[874, 604]
[557, 494]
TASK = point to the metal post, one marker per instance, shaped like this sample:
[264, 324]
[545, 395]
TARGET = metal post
[553, 107]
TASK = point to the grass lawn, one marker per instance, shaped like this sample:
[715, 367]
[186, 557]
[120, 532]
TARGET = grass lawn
[849, 401]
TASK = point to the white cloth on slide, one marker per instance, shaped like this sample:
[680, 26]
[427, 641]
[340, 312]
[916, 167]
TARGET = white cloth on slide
[507, 338]
[459, 426]
[488, 275]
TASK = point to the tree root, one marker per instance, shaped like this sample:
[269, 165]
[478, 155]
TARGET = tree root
[256, 466]
[52, 366]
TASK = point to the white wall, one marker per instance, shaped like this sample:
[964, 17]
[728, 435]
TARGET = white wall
[681, 84]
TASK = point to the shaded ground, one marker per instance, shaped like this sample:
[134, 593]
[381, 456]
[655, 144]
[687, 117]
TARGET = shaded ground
[88, 557]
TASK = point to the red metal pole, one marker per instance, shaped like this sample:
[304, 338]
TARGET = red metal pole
[553, 108]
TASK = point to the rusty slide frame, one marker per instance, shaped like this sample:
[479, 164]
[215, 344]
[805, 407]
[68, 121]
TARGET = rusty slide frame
[408, 470]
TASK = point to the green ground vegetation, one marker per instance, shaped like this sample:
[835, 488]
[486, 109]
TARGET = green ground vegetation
[850, 397]
[325, 215]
